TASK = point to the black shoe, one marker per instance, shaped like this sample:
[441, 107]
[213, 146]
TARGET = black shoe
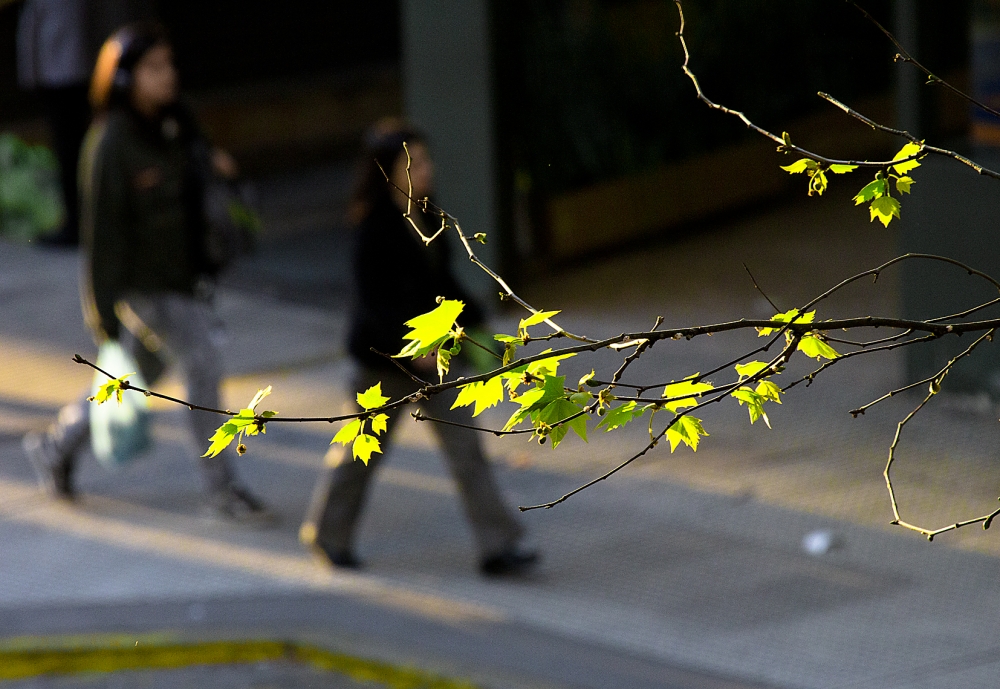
[510, 562]
[237, 505]
[341, 558]
[54, 476]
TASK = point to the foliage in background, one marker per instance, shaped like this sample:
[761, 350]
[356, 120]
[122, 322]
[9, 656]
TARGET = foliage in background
[30, 202]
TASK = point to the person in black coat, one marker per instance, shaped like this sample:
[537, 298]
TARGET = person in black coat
[397, 278]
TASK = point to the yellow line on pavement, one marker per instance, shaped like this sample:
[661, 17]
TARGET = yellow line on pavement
[24, 658]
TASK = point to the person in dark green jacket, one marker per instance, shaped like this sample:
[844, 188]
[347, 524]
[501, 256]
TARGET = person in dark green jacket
[146, 260]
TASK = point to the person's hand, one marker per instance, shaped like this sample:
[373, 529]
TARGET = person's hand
[224, 165]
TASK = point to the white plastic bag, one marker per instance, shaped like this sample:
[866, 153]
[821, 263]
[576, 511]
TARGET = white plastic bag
[119, 432]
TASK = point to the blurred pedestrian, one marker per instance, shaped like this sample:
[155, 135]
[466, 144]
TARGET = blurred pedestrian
[145, 263]
[397, 278]
[57, 43]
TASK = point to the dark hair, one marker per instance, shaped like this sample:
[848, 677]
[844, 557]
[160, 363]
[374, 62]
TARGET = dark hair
[112, 79]
[383, 144]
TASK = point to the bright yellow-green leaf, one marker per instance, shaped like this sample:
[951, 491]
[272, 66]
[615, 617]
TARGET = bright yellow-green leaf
[537, 369]
[906, 151]
[364, 446]
[687, 430]
[379, 423]
[885, 208]
[903, 184]
[872, 190]
[813, 346]
[372, 398]
[430, 329]
[112, 387]
[585, 381]
[798, 166]
[535, 319]
[751, 368]
[261, 394]
[787, 317]
[443, 362]
[838, 169]
[769, 391]
[687, 389]
[348, 432]
[754, 402]
[536, 399]
[221, 439]
[483, 394]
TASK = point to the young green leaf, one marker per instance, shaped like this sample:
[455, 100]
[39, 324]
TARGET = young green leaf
[907, 151]
[535, 319]
[769, 391]
[364, 446]
[870, 191]
[585, 381]
[787, 317]
[812, 346]
[687, 430]
[431, 329]
[261, 394]
[112, 387]
[483, 394]
[839, 169]
[559, 410]
[885, 208]
[379, 423]
[903, 184]
[348, 432]
[751, 368]
[799, 165]
[372, 398]
[817, 182]
[621, 415]
[686, 389]
[221, 439]
[754, 402]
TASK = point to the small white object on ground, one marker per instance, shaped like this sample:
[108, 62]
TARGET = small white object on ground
[818, 542]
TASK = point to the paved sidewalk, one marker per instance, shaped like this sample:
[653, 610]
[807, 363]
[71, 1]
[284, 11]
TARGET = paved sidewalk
[685, 570]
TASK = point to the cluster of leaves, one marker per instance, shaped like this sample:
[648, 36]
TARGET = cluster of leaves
[245, 423]
[878, 193]
[363, 445]
[112, 388]
[436, 333]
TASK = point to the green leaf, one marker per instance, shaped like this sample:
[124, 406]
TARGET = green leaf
[839, 169]
[798, 166]
[813, 346]
[483, 394]
[379, 423]
[769, 391]
[508, 338]
[906, 151]
[581, 398]
[536, 399]
[535, 319]
[585, 381]
[364, 446]
[754, 402]
[872, 190]
[885, 208]
[221, 439]
[751, 368]
[443, 362]
[903, 184]
[372, 398]
[261, 394]
[348, 432]
[787, 317]
[112, 387]
[431, 329]
[558, 410]
[539, 369]
[687, 430]
[621, 415]
[686, 388]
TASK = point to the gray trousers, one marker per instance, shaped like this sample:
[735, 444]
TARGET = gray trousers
[338, 503]
[180, 327]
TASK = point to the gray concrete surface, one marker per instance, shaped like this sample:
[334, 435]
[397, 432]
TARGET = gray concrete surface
[686, 570]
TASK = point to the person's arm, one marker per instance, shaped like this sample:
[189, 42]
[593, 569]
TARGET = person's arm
[105, 203]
